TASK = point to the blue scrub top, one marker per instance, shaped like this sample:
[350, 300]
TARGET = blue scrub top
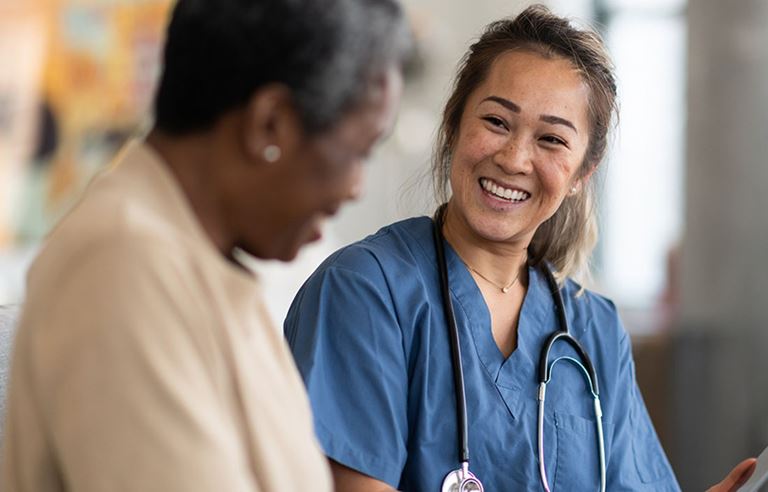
[370, 339]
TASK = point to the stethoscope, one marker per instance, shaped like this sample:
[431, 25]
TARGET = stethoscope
[462, 479]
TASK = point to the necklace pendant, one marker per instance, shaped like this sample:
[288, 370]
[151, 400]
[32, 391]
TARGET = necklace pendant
[505, 289]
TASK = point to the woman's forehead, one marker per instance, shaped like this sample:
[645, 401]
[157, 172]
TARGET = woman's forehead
[536, 82]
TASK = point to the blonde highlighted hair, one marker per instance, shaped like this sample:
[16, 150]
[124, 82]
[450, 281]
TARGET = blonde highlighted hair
[566, 239]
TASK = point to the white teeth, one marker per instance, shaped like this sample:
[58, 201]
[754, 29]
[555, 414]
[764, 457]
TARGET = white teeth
[501, 192]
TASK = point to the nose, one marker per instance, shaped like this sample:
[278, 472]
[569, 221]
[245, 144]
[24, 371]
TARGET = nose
[355, 187]
[514, 157]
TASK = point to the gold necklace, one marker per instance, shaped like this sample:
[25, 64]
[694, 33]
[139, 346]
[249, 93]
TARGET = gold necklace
[504, 288]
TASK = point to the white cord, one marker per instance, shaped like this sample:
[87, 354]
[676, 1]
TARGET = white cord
[598, 423]
[600, 442]
[540, 433]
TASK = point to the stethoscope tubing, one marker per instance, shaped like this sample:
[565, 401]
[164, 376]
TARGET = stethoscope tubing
[563, 333]
[545, 375]
[545, 369]
[453, 336]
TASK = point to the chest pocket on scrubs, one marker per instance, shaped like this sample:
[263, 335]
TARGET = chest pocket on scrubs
[577, 464]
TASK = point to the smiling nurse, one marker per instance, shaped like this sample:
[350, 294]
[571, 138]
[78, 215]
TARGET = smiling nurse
[523, 131]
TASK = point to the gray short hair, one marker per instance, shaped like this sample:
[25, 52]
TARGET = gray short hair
[219, 52]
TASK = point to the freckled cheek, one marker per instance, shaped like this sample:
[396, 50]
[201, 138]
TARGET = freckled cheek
[473, 148]
[556, 175]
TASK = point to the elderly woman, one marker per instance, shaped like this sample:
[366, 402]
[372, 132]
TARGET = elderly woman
[144, 358]
[439, 339]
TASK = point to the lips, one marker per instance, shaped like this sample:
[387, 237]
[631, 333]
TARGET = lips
[316, 235]
[511, 195]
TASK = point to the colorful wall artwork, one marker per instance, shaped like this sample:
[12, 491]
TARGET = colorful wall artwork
[86, 88]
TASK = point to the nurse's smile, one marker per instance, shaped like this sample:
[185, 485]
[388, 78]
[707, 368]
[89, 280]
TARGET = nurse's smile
[503, 192]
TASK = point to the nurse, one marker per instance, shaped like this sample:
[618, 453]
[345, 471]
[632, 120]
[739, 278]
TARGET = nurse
[522, 133]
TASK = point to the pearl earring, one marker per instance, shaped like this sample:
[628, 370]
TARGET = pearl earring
[573, 190]
[272, 153]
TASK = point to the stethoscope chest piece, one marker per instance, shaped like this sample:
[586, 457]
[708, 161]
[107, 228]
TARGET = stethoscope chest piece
[461, 480]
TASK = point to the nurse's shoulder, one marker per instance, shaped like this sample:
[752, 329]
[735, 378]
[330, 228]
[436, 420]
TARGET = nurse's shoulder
[392, 251]
[594, 318]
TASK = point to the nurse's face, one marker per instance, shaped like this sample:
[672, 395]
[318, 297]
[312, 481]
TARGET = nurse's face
[523, 135]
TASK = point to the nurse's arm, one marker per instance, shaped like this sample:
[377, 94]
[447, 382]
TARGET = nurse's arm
[348, 480]
[736, 478]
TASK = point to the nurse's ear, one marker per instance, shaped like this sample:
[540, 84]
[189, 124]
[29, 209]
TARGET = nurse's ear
[581, 181]
[272, 129]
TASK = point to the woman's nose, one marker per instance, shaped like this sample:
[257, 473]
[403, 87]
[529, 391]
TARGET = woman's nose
[355, 184]
[514, 158]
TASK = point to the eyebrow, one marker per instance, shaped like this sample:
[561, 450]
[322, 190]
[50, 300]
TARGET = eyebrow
[551, 119]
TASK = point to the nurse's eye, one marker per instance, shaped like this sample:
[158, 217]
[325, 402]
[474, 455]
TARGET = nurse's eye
[496, 122]
[554, 140]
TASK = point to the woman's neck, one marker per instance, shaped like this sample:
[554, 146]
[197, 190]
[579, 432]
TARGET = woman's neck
[190, 163]
[499, 263]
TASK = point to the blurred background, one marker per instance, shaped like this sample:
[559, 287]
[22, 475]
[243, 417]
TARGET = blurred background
[684, 191]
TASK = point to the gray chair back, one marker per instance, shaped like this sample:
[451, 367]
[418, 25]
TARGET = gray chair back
[8, 318]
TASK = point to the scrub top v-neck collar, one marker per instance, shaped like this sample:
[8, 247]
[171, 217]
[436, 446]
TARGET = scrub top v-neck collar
[536, 321]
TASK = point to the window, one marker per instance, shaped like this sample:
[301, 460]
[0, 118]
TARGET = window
[642, 200]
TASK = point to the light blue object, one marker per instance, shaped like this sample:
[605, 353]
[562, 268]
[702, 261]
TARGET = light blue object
[370, 339]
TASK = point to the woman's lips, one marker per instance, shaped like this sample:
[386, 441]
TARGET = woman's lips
[316, 234]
